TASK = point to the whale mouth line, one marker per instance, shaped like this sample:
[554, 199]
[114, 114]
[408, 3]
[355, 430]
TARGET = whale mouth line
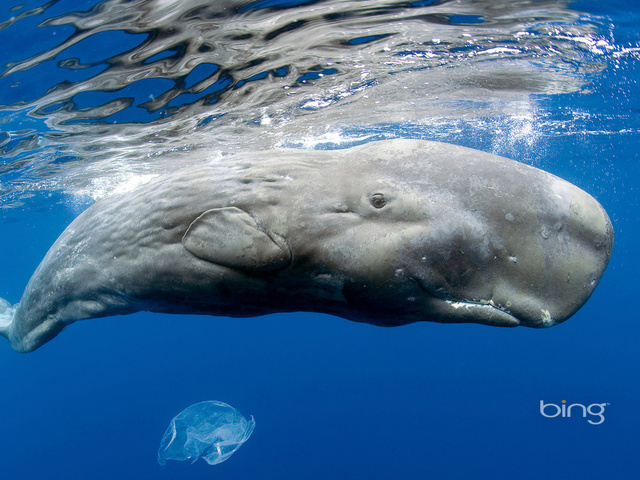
[484, 312]
[489, 308]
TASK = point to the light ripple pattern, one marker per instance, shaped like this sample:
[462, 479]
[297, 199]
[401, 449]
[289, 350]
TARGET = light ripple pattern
[110, 89]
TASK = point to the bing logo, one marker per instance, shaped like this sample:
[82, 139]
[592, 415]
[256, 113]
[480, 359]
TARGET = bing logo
[595, 411]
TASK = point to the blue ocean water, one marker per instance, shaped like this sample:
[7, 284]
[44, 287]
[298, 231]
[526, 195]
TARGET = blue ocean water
[331, 398]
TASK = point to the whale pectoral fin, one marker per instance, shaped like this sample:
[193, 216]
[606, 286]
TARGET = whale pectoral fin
[233, 238]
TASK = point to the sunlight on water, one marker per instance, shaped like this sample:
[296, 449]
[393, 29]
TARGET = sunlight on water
[99, 97]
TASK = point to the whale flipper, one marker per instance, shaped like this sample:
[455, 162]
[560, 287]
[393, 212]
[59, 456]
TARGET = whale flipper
[232, 238]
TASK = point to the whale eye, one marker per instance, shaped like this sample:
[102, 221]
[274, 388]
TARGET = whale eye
[378, 200]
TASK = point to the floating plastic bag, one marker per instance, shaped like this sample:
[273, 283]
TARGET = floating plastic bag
[210, 430]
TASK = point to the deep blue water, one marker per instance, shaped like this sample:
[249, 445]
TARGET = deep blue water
[332, 398]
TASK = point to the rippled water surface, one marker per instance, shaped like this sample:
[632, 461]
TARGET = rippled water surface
[94, 94]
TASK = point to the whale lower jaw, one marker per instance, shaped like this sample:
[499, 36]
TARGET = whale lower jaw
[482, 312]
[490, 314]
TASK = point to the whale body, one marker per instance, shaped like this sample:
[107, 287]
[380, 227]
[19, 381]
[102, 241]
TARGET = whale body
[388, 233]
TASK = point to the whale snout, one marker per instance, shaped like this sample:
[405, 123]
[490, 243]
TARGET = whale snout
[529, 256]
[550, 274]
[576, 254]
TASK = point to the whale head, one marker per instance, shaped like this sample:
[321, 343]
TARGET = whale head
[435, 232]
